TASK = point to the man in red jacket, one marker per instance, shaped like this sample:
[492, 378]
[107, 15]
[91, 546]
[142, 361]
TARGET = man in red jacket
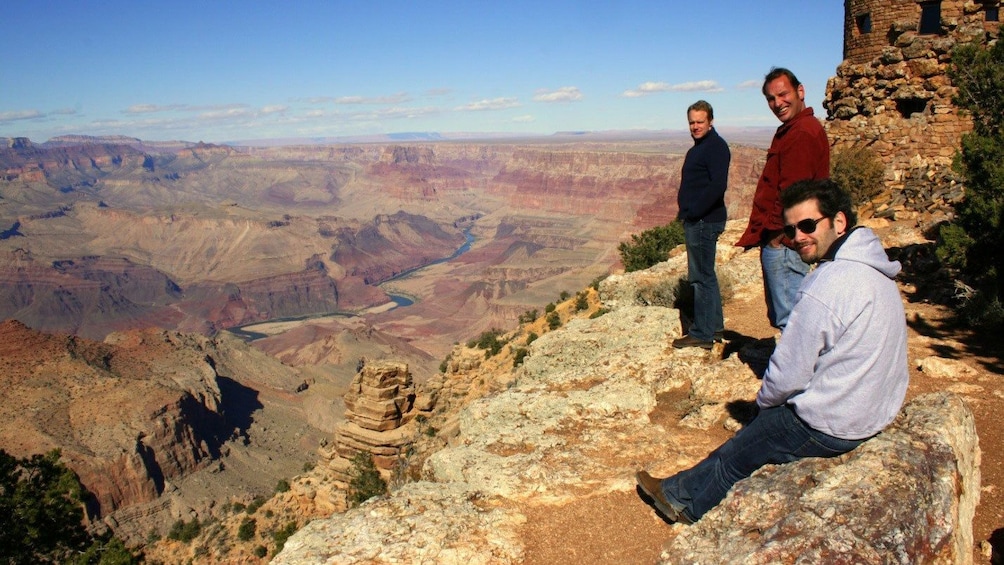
[799, 151]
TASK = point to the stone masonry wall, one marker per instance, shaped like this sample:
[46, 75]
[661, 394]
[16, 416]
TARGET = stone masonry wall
[892, 92]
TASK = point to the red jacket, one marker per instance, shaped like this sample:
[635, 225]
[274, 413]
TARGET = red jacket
[799, 151]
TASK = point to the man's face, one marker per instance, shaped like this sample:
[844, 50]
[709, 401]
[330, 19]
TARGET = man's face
[811, 247]
[700, 125]
[783, 99]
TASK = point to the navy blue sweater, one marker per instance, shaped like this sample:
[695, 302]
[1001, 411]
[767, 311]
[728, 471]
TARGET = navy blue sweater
[703, 180]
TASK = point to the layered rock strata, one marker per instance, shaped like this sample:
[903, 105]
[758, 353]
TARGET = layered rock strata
[378, 406]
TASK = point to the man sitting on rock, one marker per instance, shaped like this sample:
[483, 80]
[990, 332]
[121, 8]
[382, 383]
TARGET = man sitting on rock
[838, 375]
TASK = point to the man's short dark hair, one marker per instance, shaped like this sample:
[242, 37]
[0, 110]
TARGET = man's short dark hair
[702, 106]
[827, 193]
[776, 73]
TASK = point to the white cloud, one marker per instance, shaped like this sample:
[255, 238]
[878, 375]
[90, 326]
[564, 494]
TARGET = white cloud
[274, 109]
[397, 98]
[749, 84]
[646, 88]
[20, 115]
[524, 119]
[493, 104]
[563, 94]
[151, 108]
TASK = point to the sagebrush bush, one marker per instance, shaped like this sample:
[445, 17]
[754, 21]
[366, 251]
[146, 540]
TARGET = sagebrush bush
[859, 171]
[650, 246]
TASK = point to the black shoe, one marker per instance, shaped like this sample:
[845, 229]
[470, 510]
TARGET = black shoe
[652, 487]
[719, 336]
[687, 341]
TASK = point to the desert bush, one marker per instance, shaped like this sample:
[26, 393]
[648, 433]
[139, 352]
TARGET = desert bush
[563, 296]
[650, 246]
[366, 481]
[553, 320]
[581, 301]
[282, 486]
[859, 171]
[489, 341]
[599, 312]
[281, 535]
[246, 531]
[518, 356]
[549, 308]
[528, 316]
[255, 504]
[531, 337]
[184, 531]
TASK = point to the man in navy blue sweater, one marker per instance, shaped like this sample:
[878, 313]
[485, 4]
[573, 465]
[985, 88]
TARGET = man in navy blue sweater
[701, 201]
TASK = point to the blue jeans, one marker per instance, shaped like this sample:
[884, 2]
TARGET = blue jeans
[775, 436]
[701, 238]
[783, 271]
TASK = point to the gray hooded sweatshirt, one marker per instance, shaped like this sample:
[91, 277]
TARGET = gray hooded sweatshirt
[841, 362]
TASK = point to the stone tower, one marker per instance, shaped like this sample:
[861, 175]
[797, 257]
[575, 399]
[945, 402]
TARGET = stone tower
[892, 92]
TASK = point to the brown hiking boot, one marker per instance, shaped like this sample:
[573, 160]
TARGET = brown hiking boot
[652, 487]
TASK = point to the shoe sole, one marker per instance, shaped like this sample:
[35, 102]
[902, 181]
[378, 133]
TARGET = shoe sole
[668, 511]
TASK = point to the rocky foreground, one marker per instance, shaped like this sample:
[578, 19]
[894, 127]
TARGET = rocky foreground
[591, 403]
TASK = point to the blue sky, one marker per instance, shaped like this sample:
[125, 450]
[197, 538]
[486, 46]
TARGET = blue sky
[220, 71]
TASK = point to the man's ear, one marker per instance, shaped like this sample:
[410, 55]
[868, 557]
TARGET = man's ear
[840, 223]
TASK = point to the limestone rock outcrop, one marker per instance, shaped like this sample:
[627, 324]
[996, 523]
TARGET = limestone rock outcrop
[587, 406]
[379, 406]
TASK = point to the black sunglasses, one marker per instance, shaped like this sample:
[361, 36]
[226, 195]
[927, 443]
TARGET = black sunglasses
[805, 226]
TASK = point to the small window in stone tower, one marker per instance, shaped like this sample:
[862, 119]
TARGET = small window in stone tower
[930, 17]
[992, 13]
[907, 107]
[863, 22]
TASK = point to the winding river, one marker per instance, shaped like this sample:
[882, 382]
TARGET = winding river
[247, 332]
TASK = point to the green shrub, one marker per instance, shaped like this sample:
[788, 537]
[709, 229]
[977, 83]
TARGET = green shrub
[280, 536]
[246, 531]
[260, 551]
[105, 552]
[563, 296]
[859, 171]
[549, 308]
[581, 301]
[528, 316]
[531, 337]
[184, 531]
[599, 312]
[366, 481]
[489, 341]
[553, 320]
[40, 510]
[974, 243]
[518, 356]
[650, 246]
[255, 504]
[282, 486]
